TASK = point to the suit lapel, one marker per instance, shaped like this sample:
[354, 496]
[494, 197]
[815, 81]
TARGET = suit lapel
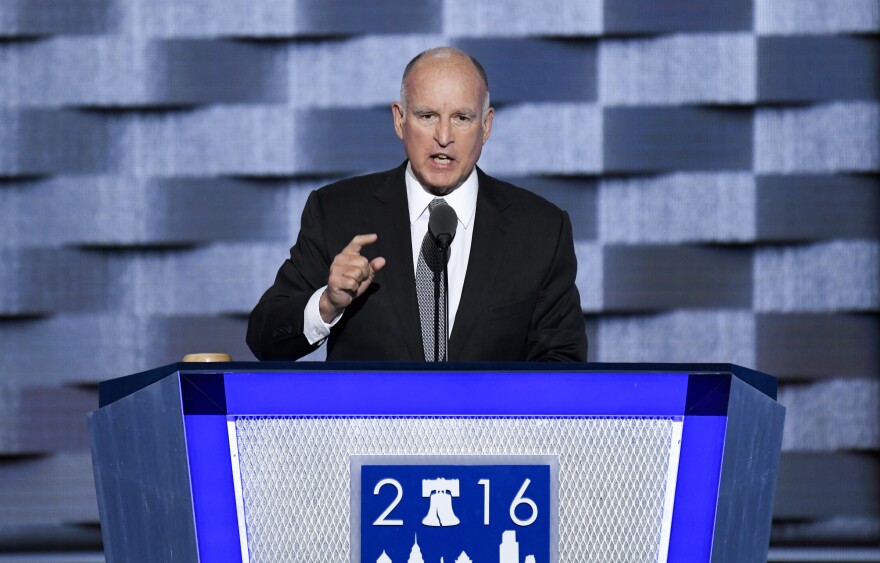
[391, 220]
[490, 226]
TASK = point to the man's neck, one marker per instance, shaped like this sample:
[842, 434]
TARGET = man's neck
[463, 199]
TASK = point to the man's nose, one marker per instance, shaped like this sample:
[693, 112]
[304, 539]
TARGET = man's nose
[443, 133]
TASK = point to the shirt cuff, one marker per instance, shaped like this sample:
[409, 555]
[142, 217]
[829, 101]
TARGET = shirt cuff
[314, 327]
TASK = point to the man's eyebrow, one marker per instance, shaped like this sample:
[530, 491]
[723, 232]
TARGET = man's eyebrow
[459, 111]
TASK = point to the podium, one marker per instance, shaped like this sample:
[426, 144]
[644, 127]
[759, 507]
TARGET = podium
[250, 462]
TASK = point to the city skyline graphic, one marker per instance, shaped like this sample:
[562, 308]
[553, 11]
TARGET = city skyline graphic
[508, 552]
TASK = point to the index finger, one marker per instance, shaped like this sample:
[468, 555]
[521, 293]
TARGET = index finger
[360, 241]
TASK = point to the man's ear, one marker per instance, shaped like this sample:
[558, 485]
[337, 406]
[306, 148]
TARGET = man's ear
[399, 115]
[487, 124]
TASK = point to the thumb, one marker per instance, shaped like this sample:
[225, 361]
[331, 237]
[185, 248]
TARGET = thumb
[377, 264]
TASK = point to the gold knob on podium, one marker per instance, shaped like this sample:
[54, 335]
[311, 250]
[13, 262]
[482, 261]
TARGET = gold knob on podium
[207, 358]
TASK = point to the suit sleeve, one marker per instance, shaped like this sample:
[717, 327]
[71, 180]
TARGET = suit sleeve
[275, 326]
[557, 327]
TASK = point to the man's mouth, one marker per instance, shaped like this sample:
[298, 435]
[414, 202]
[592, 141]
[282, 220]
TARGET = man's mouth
[442, 159]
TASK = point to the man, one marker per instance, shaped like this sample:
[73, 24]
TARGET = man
[362, 250]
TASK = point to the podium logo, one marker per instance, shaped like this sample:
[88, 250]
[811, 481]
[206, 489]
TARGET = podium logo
[460, 509]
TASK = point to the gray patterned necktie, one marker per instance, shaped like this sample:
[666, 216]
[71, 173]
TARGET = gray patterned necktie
[429, 278]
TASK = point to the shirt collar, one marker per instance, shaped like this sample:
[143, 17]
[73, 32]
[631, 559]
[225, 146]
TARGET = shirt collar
[463, 199]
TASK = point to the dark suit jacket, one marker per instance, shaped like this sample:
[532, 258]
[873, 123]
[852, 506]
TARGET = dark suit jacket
[519, 300]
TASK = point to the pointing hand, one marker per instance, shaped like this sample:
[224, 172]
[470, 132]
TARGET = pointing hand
[350, 276]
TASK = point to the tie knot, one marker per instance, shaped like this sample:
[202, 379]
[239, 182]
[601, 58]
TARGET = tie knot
[435, 202]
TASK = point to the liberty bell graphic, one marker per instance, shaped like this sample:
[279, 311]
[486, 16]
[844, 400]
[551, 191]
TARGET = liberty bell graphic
[441, 492]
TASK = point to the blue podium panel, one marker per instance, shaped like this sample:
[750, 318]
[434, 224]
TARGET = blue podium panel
[524, 463]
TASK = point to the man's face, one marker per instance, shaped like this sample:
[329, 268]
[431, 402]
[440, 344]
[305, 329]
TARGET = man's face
[442, 128]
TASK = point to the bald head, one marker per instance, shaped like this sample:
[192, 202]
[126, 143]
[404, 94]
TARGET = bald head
[444, 56]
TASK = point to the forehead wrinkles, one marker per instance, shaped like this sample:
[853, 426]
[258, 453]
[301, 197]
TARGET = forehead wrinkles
[444, 98]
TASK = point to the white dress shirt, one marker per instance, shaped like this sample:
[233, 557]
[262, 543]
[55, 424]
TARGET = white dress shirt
[464, 201]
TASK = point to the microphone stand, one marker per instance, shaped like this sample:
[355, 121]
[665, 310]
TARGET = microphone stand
[446, 301]
[444, 249]
[437, 275]
[441, 226]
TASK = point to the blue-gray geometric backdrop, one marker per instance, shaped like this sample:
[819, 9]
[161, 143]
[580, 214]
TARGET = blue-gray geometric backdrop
[720, 160]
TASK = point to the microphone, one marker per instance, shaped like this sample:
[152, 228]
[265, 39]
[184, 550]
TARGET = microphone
[442, 224]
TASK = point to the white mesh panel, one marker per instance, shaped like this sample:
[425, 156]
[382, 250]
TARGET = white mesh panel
[295, 477]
